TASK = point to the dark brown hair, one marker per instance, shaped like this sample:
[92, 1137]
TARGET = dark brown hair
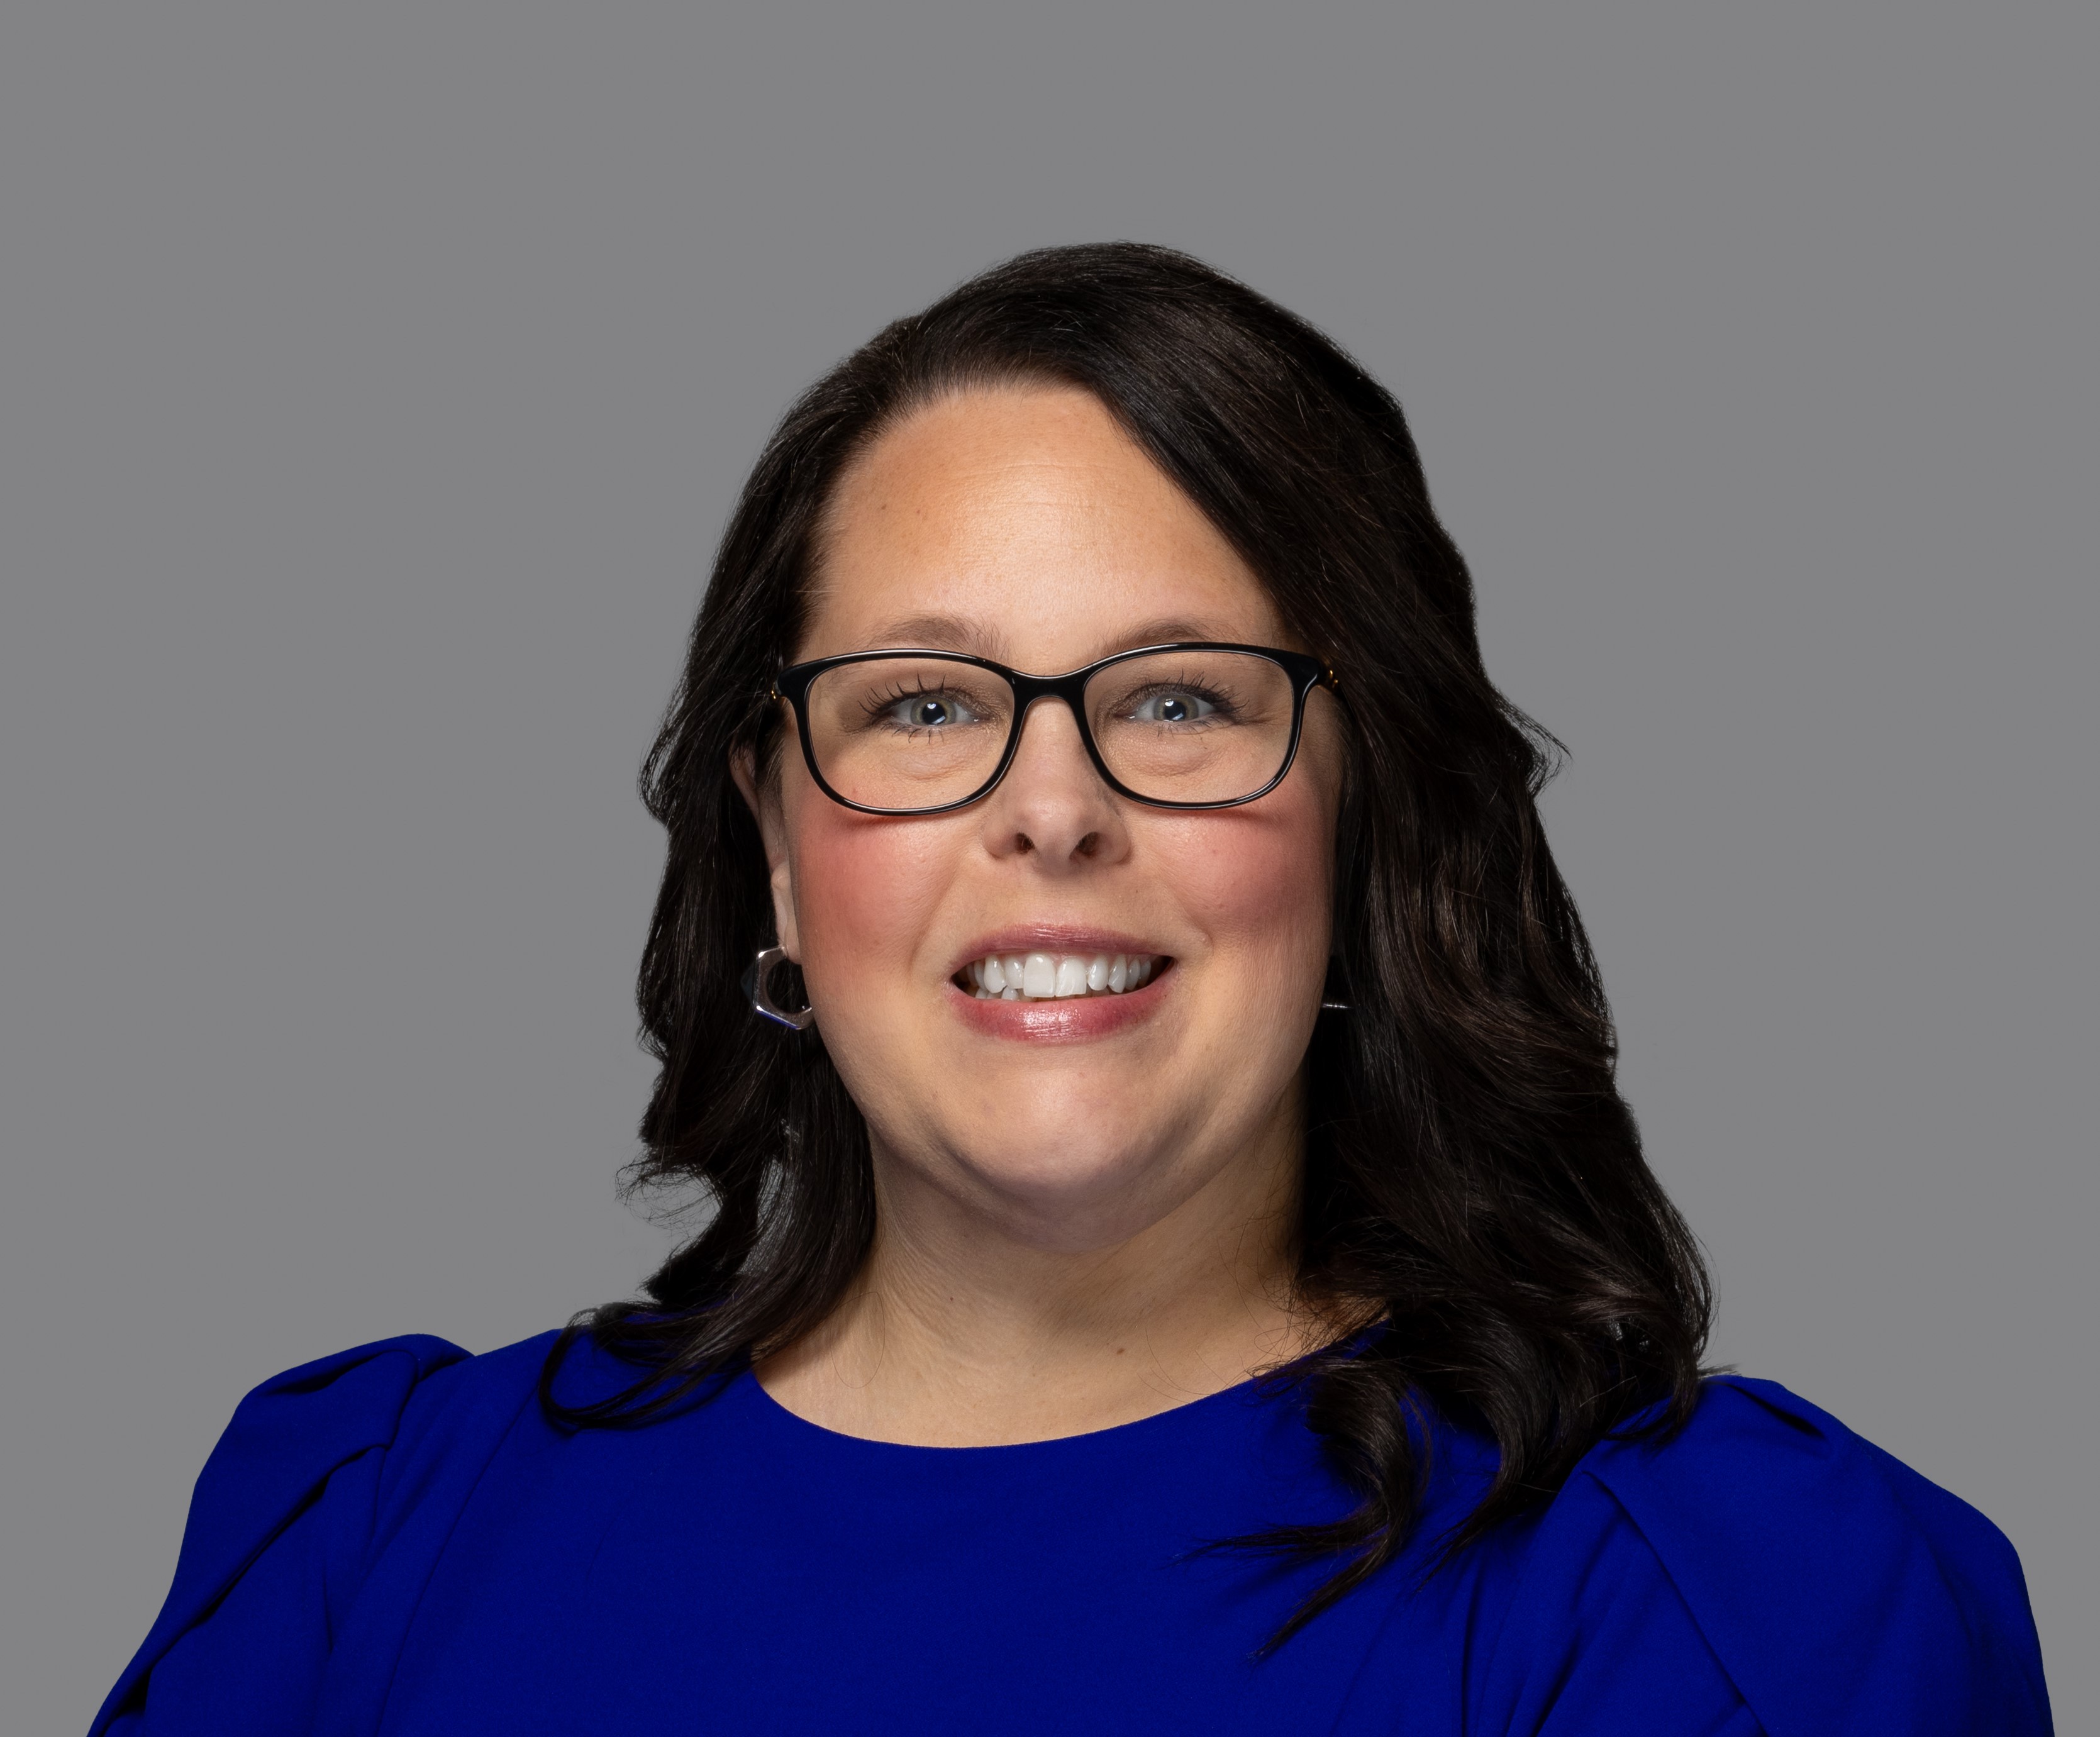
[1472, 1176]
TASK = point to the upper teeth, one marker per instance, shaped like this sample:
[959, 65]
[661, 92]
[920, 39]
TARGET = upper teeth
[1042, 977]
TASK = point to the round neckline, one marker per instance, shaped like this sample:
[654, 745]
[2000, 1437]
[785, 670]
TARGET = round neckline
[1111, 1434]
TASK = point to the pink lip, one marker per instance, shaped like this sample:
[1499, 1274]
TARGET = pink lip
[1074, 1019]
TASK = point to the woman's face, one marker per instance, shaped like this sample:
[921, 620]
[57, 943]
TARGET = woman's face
[1023, 524]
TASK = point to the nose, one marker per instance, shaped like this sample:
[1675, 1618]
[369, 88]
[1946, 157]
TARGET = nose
[1052, 804]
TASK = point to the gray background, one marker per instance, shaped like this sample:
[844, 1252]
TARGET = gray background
[373, 383]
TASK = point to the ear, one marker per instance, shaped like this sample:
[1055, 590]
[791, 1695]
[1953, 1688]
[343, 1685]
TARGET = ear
[764, 802]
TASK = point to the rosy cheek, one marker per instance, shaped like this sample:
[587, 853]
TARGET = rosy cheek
[1255, 879]
[865, 891]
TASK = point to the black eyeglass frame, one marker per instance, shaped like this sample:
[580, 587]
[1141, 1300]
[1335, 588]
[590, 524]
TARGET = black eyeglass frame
[1305, 672]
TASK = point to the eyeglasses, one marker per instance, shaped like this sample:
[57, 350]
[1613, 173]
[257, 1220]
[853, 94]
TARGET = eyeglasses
[1199, 725]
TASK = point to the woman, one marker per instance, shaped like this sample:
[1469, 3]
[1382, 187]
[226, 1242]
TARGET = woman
[1180, 1260]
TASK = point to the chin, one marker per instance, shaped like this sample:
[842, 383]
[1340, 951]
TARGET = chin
[1075, 1193]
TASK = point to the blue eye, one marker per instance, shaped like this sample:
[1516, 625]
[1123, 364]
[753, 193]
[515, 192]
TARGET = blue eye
[1173, 708]
[931, 712]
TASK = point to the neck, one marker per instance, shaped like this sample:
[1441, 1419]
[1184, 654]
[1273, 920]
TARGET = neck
[968, 1329]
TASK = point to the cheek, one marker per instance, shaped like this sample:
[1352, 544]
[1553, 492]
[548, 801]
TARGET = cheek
[865, 891]
[1257, 880]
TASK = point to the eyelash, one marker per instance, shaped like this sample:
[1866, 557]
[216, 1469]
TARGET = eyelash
[1193, 690]
[876, 707]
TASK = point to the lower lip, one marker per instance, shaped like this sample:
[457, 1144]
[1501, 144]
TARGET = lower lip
[1072, 1019]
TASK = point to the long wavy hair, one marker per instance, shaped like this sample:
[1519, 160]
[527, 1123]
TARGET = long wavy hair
[1472, 1177]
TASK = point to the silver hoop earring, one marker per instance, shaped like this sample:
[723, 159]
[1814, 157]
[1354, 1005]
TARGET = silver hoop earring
[761, 997]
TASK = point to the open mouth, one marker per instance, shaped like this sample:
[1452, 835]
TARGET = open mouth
[1057, 977]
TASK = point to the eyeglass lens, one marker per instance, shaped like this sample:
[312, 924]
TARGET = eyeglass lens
[1172, 726]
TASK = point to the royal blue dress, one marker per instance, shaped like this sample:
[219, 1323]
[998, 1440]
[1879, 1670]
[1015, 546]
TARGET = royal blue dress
[395, 1540]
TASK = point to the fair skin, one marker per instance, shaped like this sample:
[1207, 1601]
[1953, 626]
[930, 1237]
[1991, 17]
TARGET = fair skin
[1083, 1219]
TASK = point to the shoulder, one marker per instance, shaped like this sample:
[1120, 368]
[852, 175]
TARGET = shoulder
[1759, 1461]
[415, 1393]
[291, 1434]
[1838, 1589]
[326, 1452]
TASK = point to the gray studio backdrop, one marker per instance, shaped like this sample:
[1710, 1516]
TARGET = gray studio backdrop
[374, 380]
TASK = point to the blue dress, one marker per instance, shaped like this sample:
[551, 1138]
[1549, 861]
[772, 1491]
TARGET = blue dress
[395, 1540]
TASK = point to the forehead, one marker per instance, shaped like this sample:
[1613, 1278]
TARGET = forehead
[1022, 523]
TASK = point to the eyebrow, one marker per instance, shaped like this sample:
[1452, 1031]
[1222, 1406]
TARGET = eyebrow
[938, 633]
[942, 633]
[1162, 631]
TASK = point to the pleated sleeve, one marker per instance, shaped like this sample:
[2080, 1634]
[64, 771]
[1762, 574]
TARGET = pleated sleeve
[1841, 1593]
[279, 1530]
